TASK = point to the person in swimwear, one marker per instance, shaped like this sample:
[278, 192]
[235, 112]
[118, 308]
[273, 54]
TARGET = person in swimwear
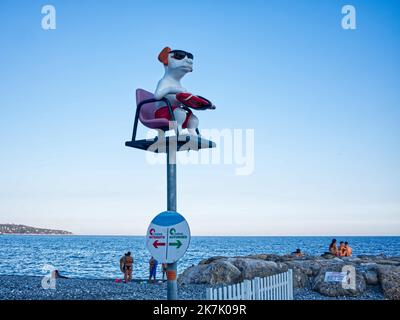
[153, 269]
[349, 250]
[342, 249]
[126, 266]
[333, 249]
[56, 275]
[297, 253]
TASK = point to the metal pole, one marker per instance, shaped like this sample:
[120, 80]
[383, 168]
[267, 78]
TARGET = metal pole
[172, 286]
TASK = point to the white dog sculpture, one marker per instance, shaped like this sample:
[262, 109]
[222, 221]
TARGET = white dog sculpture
[177, 63]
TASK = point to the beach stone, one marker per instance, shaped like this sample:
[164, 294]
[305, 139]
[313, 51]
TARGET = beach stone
[351, 259]
[371, 258]
[303, 271]
[370, 272]
[308, 272]
[217, 272]
[369, 265]
[389, 278]
[371, 277]
[212, 259]
[327, 256]
[230, 270]
[389, 262]
[335, 289]
[300, 278]
[267, 257]
[252, 268]
[395, 258]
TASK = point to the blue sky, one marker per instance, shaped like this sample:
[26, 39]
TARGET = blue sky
[323, 103]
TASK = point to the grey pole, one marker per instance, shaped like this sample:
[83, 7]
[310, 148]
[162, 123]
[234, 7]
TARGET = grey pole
[172, 286]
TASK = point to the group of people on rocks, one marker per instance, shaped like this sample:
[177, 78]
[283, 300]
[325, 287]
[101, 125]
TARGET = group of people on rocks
[126, 266]
[343, 250]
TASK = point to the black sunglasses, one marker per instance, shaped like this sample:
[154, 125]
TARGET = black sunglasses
[180, 54]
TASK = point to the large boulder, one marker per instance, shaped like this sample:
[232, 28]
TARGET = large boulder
[303, 271]
[264, 256]
[217, 272]
[327, 255]
[388, 262]
[337, 289]
[351, 260]
[252, 268]
[366, 258]
[212, 259]
[371, 277]
[308, 272]
[389, 278]
[230, 270]
[371, 257]
[300, 278]
[370, 272]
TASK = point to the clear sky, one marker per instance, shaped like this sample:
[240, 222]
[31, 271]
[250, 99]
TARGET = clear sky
[323, 103]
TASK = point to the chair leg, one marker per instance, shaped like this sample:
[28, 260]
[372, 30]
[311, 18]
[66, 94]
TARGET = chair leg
[161, 135]
[179, 130]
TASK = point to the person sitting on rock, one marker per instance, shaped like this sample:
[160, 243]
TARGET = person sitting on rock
[56, 275]
[342, 249]
[297, 253]
[349, 250]
[333, 249]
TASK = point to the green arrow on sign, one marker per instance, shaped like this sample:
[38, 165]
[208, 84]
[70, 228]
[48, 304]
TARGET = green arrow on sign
[176, 244]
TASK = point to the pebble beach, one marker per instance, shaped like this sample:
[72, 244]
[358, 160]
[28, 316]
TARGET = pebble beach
[30, 288]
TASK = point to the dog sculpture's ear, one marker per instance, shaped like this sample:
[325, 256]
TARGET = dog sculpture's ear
[163, 56]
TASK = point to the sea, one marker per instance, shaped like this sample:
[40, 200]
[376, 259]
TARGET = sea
[97, 257]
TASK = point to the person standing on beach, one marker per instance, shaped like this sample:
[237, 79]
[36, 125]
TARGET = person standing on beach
[153, 269]
[349, 250]
[126, 266]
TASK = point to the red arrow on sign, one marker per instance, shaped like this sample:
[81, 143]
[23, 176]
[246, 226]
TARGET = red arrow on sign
[157, 244]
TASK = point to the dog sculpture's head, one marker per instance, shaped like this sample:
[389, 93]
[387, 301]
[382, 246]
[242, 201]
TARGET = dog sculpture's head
[176, 60]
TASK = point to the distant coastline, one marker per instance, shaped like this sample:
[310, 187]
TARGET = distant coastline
[19, 229]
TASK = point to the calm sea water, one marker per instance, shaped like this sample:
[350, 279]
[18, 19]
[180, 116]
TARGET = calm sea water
[98, 256]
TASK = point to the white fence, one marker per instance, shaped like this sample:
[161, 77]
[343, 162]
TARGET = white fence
[276, 287]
